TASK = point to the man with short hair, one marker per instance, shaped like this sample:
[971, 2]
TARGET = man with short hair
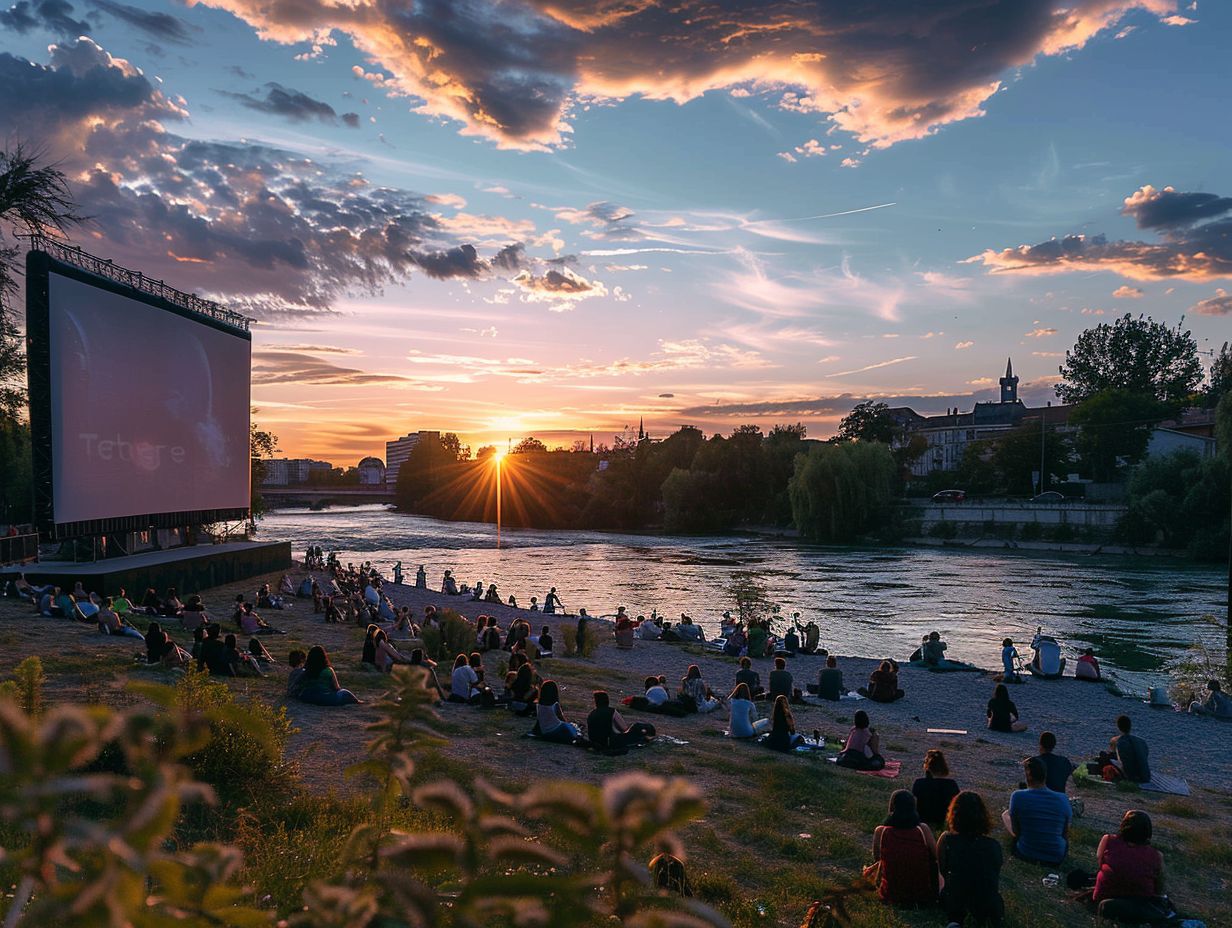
[605, 728]
[1132, 753]
[1057, 767]
[1216, 704]
[780, 680]
[1038, 819]
[749, 677]
[830, 681]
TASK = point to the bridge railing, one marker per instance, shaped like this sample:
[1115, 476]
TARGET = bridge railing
[19, 549]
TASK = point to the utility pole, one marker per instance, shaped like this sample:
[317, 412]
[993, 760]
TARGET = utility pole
[1043, 430]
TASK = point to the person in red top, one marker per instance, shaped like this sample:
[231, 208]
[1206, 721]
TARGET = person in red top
[1130, 880]
[907, 853]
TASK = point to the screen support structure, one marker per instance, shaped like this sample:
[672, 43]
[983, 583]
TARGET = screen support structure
[44, 257]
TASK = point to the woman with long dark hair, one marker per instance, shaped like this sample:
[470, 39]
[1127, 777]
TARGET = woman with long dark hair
[319, 684]
[783, 736]
[905, 855]
[550, 720]
[970, 863]
[1002, 713]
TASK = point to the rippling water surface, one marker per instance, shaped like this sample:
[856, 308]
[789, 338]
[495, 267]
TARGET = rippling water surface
[1138, 615]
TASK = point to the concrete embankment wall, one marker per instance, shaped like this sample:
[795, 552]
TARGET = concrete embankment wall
[1008, 519]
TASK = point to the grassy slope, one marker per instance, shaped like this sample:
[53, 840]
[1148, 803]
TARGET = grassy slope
[780, 831]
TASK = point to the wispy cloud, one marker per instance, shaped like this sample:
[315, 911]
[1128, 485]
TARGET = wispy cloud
[873, 367]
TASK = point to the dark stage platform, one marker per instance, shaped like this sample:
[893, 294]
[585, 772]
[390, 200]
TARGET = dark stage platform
[186, 569]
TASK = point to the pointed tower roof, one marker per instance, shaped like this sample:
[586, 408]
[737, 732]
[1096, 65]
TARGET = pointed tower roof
[1009, 368]
[641, 428]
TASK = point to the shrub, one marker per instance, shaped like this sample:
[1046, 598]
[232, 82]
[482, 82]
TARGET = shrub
[26, 687]
[455, 635]
[247, 737]
[944, 529]
[1031, 531]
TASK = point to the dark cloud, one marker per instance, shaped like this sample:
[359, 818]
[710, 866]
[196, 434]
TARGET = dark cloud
[1153, 209]
[561, 289]
[55, 16]
[510, 258]
[1189, 248]
[279, 367]
[351, 119]
[462, 261]
[287, 102]
[81, 81]
[667, 396]
[240, 72]
[886, 71]
[152, 22]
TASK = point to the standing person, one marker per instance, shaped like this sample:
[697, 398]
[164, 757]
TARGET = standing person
[905, 855]
[1057, 767]
[1132, 752]
[1038, 819]
[583, 621]
[421, 578]
[1002, 713]
[398, 573]
[1129, 887]
[970, 862]
[935, 790]
[551, 602]
[319, 684]
[605, 728]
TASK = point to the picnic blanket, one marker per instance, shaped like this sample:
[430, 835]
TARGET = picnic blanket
[1162, 783]
[947, 666]
[813, 699]
[890, 771]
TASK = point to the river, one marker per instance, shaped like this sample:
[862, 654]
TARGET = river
[1139, 615]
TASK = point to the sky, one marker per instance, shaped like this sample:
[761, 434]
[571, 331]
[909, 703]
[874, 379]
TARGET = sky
[556, 217]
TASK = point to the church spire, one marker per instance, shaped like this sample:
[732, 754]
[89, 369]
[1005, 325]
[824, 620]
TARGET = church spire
[641, 429]
[1009, 383]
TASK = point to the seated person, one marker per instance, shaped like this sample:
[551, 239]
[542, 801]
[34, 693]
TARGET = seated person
[758, 640]
[419, 659]
[687, 631]
[259, 653]
[213, 654]
[295, 679]
[150, 603]
[1216, 704]
[907, 853]
[1009, 655]
[242, 664]
[1057, 767]
[693, 687]
[171, 607]
[749, 677]
[667, 875]
[830, 681]
[1002, 713]
[744, 722]
[522, 691]
[285, 586]
[970, 863]
[1130, 881]
[1047, 660]
[492, 596]
[545, 642]
[87, 608]
[783, 735]
[935, 790]
[378, 653]
[550, 721]
[1038, 819]
[791, 642]
[735, 643]
[449, 586]
[160, 649]
[656, 692]
[863, 748]
[319, 683]
[111, 623]
[47, 604]
[781, 683]
[727, 625]
[932, 651]
[304, 590]
[883, 683]
[650, 630]
[464, 683]
[624, 634]
[1132, 753]
[605, 728]
[194, 615]
[1087, 667]
[252, 624]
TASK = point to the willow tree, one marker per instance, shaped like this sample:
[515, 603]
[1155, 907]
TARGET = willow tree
[842, 491]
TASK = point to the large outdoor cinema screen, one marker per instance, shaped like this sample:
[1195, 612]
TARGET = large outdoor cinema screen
[142, 408]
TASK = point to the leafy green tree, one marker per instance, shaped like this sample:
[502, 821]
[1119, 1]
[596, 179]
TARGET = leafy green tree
[453, 445]
[1220, 381]
[1017, 457]
[977, 472]
[1132, 355]
[869, 421]
[1180, 500]
[34, 199]
[263, 445]
[842, 491]
[485, 452]
[426, 471]
[16, 486]
[688, 505]
[1114, 424]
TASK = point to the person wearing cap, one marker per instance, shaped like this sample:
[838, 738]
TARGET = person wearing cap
[1087, 667]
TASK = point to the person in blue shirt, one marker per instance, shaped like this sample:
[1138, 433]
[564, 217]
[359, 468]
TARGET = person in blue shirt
[1008, 655]
[1038, 819]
